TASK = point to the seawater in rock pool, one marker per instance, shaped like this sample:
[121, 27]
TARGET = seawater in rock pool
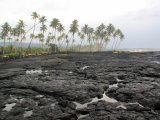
[106, 98]
[27, 113]
[9, 106]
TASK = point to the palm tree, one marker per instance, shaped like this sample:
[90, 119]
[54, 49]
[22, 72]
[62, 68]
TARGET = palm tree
[84, 29]
[121, 38]
[90, 32]
[59, 38]
[102, 36]
[82, 38]
[74, 29]
[42, 40]
[114, 36]
[49, 33]
[110, 29]
[14, 33]
[89, 40]
[36, 37]
[15, 47]
[43, 28]
[118, 31]
[52, 38]
[24, 38]
[67, 41]
[102, 27]
[106, 40]
[32, 36]
[48, 41]
[34, 17]
[21, 25]
[42, 19]
[54, 24]
[60, 28]
[9, 38]
[4, 33]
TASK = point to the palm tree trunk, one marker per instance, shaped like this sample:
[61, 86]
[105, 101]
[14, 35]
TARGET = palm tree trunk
[33, 34]
[116, 44]
[13, 45]
[4, 45]
[55, 39]
[113, 43]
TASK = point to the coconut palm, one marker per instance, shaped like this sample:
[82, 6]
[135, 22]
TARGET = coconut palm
[121, 38]
[59, 38]
[89, 40]
[24, 38]
[32, 36]
[84, 29]
[54, 24]
[9, 38]
[67, 41]
[49, 33]
[34, 17]
[15, 47]
[74, 29]
[36, 37]
[21, 25]
[42, 40]
[60, 28]
[82, 38]
[102, 36]
[4, 33]
[106, 40]
[110, 29]
[48, 41]
[118, 31]
[14, 33]
[42, 19]
[52, 38]
[114, 36]
[43, 28]
[102, 27]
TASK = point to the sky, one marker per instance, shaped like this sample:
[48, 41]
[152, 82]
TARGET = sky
[139, 20]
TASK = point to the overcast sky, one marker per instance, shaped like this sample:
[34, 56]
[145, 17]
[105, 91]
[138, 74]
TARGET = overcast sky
[139, 20]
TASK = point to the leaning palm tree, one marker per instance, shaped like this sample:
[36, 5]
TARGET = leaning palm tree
[114, 36]
[34, 17]
[121, 38]
[4, 33]
[52, 38]
[118, 31]
[106, 40]
[54, 24]
[102, 36]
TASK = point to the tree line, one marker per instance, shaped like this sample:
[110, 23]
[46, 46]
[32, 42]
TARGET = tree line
[96, 39]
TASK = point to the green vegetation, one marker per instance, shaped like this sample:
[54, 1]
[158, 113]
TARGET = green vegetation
[96, 40]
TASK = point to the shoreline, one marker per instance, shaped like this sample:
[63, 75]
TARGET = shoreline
[52, 86]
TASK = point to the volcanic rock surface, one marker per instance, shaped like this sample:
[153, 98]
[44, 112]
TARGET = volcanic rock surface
[52, 86]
